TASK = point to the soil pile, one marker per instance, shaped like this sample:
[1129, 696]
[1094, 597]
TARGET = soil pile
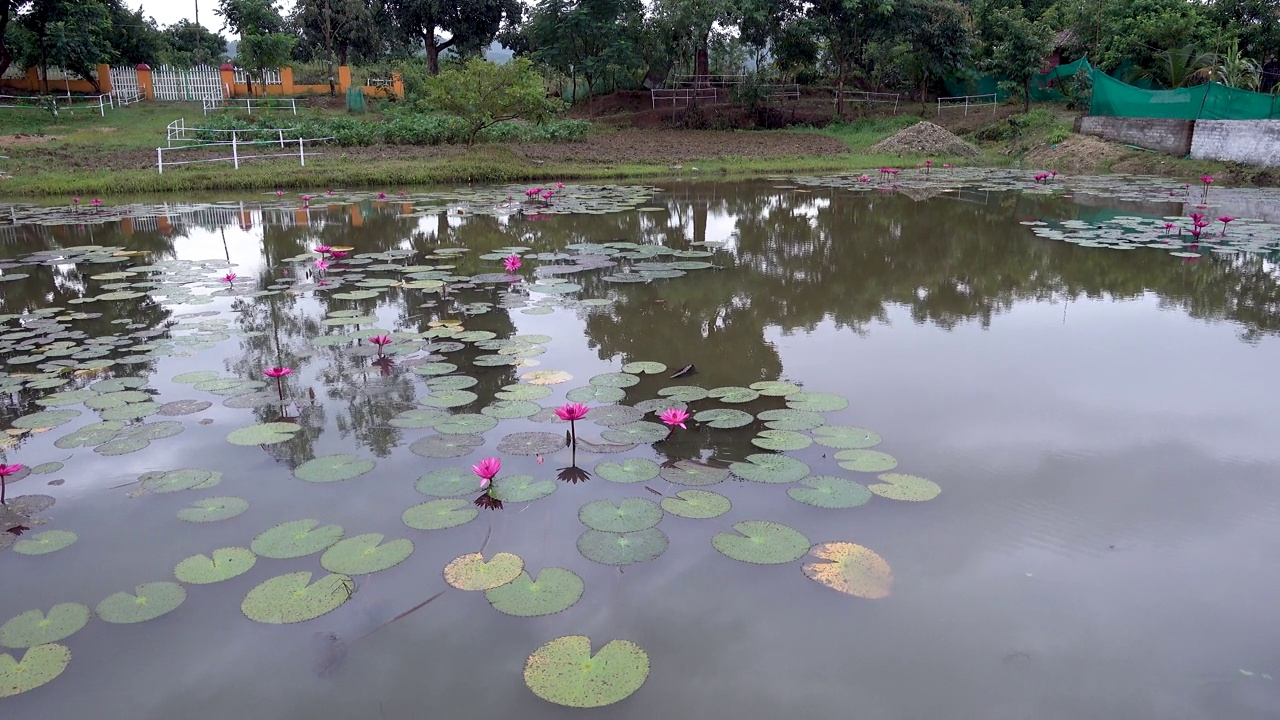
[925, 138]
[1077, 154]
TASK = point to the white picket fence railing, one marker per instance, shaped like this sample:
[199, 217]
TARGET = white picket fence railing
[190, 84]
[269, 77]
[250, 104]
[124, 85]
[237, 156]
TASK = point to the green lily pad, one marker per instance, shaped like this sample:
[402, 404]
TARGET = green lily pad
[630, 470]
[609, 548]
[191, 378]
[629, 515]
[418, 419]
[791, 419]
[295, 539]
[773, 469]
[644, 368]
[293, 598]
[451, 382]
[866, 460]
[724, 418]
[830, 492]
[781, 440]
[546, 377]
[613, 416]
[697, 504]
[69, 397]
[446, 446]
[333, 468]
[89, 435]
[614, 380]
[733, 394]
[850, 569]
[564, 672]
[436, 368]
[177, 480]
[523, 391]
[521, 488]
[183, 407]
[33, 627]
[440, 514]
[441, 398]
[693, 473]
[471, 572]
[107, 401]
[46, 419]
[846, 437]
[896, 486]
[447, 482]
[595, 394]
[148, 602]
[45, 542]
[816, 402]
[684, 393]
[39, 666]
[637, 432]
[132, 411]
[762, 542]
[264, 434]
[364, 554]
[511, 409]
[213, 509]
[775, 388]
[555, 590]
[531, 443]
[222, 564]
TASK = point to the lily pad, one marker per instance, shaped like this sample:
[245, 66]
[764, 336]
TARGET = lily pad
[693, 473]
[69, 397]
[791, 419]
[684, 393]
[629, 515]
[522, 488]
[45, 542]
[781, 440]
[866, 460]
[39, 666]
[435, 368]
[775, 388]
[697, 504]
[637, 432]
[644, 368]
[333, 468]
[213, 509]
[471, 572]
[523, 391]
[440, 514]
[595, 394]
[441, 398]
[724, 418]
[148, 602]
[816, 402]
[177, 480]
[733, 394]
[264, 434]
[45, 419]
[364, 554]
[511, 409]
[293, 598]
[131, 411]
[609, 548]
[555, 590]
[850, 569]
[630, 470]
[89, 435]
[614, 380]
[546, 377]
[199, 376]
[447, 482]
[896, 486]
[418, 419]
[564, 672]
[762, 542]
[295, 539]
[773, 469]
[531, 443]
[222, 564]
[446, 446]
[183, 407]
[830, 492]
[33, 627]
[846, 437]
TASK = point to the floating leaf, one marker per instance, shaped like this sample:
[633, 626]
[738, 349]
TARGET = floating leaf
[45, 542]
[724, 418]
[132, 411]
[446, 446]
[183, 407]
[775, 388]
[762, 542]
[847, 437]
[471, 572]
[816, 402]
[121, 398]
[896, 486]
[791, 419]
[33, 627]
[555, 590]
[295, 539]
[148, 602]
[614, 380]
[418, 419]
[69, 397]
[531, 443]
[697, 504]
[213, 509]
[224, 564]
[866, 460]
[451, 382]
[629, 515]
[45, 419]
[595, 394]
[440, 514]
[512, 409]
[733, 394]
[609, 548]
[781, 440]
[435, 368]
[630, 470]
[774, 469]
[693, 473]
[89, 435]
[636, 432]
[293, 598]
[264, 434]
[333, 468]
[177, 480]
[441, 398]
[564, 672]
[39, 666]
[851, 569]
[644, 368]
[522, 488]
[521, 391]
[830, 492]
[546, 377]
[683, 393]
[447, 482]
[364, 554]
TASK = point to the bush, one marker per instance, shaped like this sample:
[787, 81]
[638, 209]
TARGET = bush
[397, 128]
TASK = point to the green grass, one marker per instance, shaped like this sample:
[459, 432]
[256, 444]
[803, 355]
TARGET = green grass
[863, 133]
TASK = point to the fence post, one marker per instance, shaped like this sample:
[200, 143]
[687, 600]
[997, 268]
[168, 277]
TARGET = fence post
[344, 79]
[145, 88]
[281, 131]
[227, 71]
[286, 81]
[302, 156]
[235, 151]
[160, 160]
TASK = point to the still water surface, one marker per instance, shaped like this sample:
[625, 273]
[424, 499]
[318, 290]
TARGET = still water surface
[1100, 423]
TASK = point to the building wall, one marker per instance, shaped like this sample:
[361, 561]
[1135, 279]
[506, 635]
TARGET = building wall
[1250, 142]
[1168, 136]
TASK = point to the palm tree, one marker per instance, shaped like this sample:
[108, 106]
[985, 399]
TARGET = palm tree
[1178, 67]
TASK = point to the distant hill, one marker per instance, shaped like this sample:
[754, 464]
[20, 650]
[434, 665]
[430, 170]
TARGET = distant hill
[497, 53]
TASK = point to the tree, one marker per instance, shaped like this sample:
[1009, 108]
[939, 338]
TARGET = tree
[190, 44]
[71, 34]
[469, 24]
[690, 23]
[587, 37]
[134, 38]
[258, 23]
[483, 94]
[337, 29]
[1178, 67]
[1233, 69]
[1255, 22]
[1018, 48]
[940, 38]
[8, 12]
[842, 28]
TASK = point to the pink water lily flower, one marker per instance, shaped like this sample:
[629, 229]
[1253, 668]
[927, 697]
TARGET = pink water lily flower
[277, 372]
[75, 201]
[322, 249]
[572, 411]
[322, 264]
[511, 263]
[337, 254]
[229, 277]
[330, 192]
[1224, 219]
[486, 470]
[96, 202]
[5, 472]
[1206, 179]
[381, 341]
[279, 193]
[674, 417]
[382, 196]
[559, 186]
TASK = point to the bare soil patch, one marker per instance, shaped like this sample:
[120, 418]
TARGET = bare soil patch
[672, 146]
[1078, 154]
[21, 140]
[924, 138]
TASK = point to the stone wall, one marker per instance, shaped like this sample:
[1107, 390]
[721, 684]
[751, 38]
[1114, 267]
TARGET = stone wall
[1250, 142]
[1168, 136]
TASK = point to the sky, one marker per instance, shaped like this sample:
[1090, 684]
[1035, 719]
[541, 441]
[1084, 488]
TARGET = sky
[168, 12]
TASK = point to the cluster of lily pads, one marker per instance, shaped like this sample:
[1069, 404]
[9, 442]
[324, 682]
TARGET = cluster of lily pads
[1179, 235]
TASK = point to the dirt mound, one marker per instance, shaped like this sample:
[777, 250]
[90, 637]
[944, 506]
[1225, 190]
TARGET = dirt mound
[924, 138]
[1077, 154]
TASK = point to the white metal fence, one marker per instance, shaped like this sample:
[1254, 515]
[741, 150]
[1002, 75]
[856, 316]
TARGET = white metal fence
[858, 97]
[55, 104]
[124, 85]
[684, 96]
[188, 84]
[178, 134]
[968, 102]
[269, 77]
[250, 104]
[237, 156]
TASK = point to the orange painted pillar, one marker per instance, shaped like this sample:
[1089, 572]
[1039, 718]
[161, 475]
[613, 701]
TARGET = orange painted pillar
[228, 73]
[163, 224]
[344, 79]
[104, 78]
[144, 82]
[357, 216]
[126, 225]
[286, 81]
[33, 79]
[301, 216]
[397, 85]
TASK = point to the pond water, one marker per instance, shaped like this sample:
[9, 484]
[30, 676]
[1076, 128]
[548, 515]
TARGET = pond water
[1100, 541]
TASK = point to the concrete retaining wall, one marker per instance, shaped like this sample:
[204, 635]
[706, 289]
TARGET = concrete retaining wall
[1250, 142]
[1169, 136]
